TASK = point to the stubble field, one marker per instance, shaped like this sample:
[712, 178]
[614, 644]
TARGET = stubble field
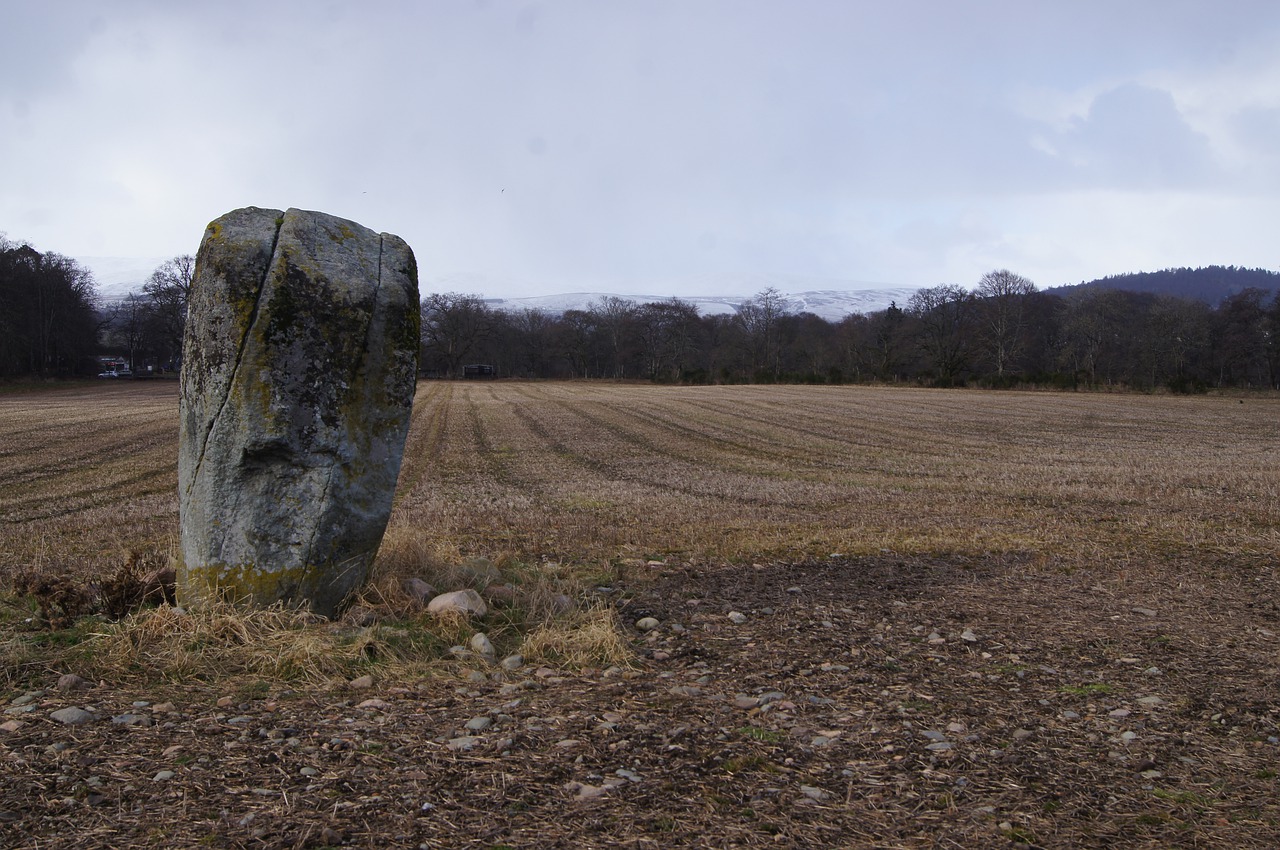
[966, 619]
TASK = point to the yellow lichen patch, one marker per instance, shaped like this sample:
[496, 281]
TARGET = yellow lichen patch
[240, 584]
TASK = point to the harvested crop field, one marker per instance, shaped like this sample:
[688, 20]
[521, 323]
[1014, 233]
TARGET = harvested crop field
[885, 618]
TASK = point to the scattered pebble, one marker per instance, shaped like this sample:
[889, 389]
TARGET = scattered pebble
[481, 645]
[459, 602]
[73, 716]
[647, 624]
[132, 720]
[71, 682]
[420, 590]
[583, 791]
[463, 743]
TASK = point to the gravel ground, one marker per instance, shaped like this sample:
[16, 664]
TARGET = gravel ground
[842, 703]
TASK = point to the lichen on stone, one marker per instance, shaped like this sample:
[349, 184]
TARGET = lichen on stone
[303, 355]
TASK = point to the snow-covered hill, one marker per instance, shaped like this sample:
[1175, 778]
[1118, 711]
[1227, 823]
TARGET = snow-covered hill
[118, 276]
[831, 305]
[830, 299]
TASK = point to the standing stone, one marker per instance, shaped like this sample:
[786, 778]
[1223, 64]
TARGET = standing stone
[298, 373]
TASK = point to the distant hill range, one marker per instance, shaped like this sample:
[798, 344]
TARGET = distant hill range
[830, 299]
[1211, 284]
[118, 277]
[832, 305]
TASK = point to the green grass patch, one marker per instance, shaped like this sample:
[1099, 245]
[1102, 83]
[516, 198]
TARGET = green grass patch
[1092, 689]
[1184, 798]
[766, 736]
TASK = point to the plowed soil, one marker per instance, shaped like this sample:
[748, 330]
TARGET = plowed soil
[894, 697]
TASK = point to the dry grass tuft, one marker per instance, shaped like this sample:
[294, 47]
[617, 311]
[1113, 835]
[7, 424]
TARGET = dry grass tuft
[451, 627]
[222, 640]
[588, 638]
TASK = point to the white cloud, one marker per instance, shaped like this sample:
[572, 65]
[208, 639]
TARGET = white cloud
[585, 142]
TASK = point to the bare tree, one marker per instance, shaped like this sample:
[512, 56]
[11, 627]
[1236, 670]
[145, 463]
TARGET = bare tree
[887, 329]
[1241, 339]
[613, 317]
[131, 326]
[666, 330]
[48, 325]
[574, 335]
[1002, 306]
[760, 317]
[945, 314]
[533, 329]
[453, 326]
[1178, 333]
[169, 289]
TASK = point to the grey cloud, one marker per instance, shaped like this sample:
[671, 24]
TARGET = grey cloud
[1134, 137]
[590, 141]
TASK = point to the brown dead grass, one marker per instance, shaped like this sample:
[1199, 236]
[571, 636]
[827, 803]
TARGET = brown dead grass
[593, 474]
[591, 471]
[589, 638]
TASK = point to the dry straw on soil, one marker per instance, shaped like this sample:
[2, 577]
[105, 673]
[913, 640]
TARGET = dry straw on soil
[1020, 573]
[588, 474]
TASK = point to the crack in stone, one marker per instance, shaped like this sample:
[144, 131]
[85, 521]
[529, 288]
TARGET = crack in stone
[373, 313]
[244, 341]
[308, 562]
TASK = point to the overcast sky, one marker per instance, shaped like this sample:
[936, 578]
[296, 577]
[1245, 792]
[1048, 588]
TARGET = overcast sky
[627, 146]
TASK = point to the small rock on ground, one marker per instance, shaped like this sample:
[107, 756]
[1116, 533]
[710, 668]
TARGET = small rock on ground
[71, 682]
[481, 645]
[73, 716]
[459, 601]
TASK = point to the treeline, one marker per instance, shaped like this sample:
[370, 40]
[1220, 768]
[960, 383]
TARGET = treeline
[145, 328]
[48, 314]
[1210, 284]
[53, 323]
[1002, 333]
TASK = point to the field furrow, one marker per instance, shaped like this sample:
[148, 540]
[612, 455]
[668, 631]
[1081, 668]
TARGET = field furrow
[596, 470]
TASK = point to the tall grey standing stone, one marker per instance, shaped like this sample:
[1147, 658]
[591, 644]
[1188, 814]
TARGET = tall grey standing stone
[298, 373]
